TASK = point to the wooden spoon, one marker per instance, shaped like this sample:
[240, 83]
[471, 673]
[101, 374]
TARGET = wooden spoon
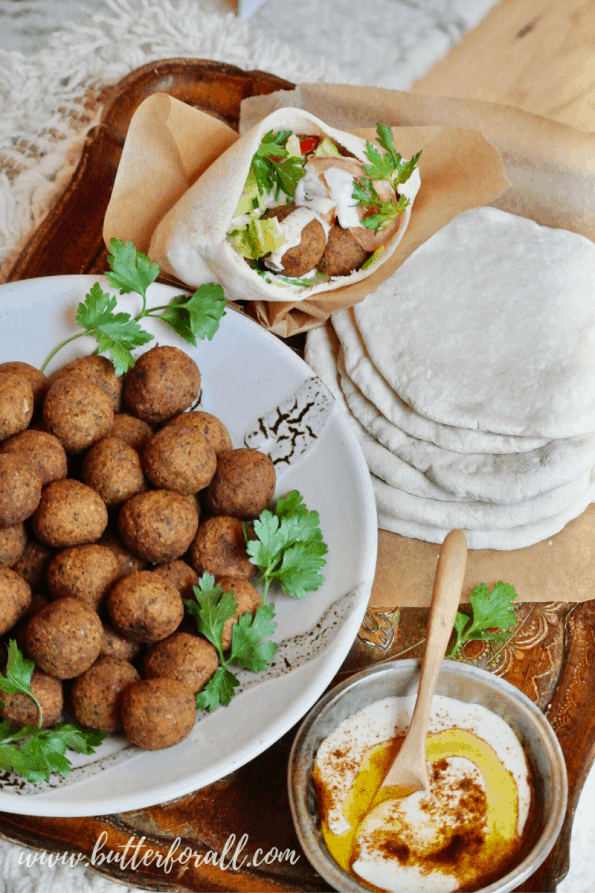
[408, 772]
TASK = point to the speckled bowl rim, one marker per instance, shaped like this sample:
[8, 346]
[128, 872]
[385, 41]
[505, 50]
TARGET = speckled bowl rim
[322, 718]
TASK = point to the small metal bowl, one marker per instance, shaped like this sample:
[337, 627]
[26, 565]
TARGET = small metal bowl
[460, 681]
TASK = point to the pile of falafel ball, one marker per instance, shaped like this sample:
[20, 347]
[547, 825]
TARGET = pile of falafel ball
[101, 539]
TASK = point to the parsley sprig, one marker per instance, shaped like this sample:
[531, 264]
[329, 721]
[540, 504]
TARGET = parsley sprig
[389, 166]
[212, 609]
[191, 317]
[289, 547]
[31, 751]
[492, 619]
[274, 168]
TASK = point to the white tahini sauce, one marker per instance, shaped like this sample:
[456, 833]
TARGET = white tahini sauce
[291, 228]
[384, 719]
[340, 185]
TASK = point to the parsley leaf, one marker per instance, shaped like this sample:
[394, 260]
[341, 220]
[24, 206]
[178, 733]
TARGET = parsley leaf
[220, 689]
[212, 610]
[247, 648]
[387, 212]
[198, 315]
[289, 547]
[131, 270]
[118, 333]
[492, 619]
[19, 670]
[390, 167]
[31, 751]
[273, 168]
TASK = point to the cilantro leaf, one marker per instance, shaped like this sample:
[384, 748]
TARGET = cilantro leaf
[220, 689]
[131, 270]
[492, 618]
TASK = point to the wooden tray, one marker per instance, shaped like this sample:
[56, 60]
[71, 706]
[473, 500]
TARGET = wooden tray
[551, 656]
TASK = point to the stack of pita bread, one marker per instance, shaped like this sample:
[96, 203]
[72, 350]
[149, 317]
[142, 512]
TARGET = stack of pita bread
[469, 376]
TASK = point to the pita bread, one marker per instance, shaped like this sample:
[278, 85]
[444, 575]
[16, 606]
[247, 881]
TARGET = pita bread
[490, 325]
[367, 378]
[505, 540]
[395, 503]
[485, 477]
[322, 348]
[191, 240]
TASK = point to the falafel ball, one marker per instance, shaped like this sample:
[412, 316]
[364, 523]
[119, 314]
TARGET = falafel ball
[248, 599]
[163, 382]
[69, 514]
[114, 470]
[180, 575]
[302, 257]
[37, 380]
[44, 451]
[220, 549]
[189, 659]
[131, 430]
[77, 412]
[15, 598]
[16, 404]
[99, 371]
[145, 608]
[342, 255]
[115, 645]
[20, 489]
[180, 459]
[243, 485]
[158, 526]
[127, 562]
[87, 572]
[209, 425]
[32, 565]
[97, 694]
[64, 638]
[12, 544]
[157, 713]
[20, 710]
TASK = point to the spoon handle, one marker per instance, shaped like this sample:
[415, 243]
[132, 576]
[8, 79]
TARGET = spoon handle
[448, 584]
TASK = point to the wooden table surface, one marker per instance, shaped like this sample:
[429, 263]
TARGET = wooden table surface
[538, 55]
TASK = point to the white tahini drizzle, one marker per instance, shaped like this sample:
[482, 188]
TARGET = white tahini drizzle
[291, 228]
[340, 185]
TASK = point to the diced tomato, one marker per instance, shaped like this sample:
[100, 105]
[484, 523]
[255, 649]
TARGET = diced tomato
[308, 145]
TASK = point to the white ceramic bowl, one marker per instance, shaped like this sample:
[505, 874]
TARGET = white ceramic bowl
[460, 681]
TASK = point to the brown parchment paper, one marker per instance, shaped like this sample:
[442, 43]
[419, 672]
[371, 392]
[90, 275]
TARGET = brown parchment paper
[551, 169]
[170, 144]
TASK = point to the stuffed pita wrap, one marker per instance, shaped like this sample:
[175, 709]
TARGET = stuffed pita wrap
[293, 209]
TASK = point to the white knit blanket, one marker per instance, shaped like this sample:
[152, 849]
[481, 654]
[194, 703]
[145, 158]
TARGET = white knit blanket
[49, 101]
